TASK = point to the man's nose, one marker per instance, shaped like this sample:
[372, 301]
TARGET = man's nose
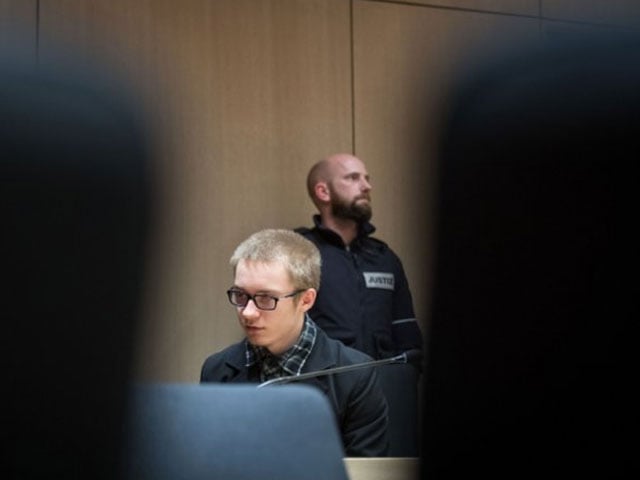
[250, 310]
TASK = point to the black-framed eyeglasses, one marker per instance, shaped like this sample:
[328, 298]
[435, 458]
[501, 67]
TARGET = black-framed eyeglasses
[263, 301]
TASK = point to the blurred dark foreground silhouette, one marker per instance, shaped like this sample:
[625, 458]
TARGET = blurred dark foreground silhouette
[530, 369]
[75, 198]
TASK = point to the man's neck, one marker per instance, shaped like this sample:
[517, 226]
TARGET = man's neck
[281, 348]
[346, 228]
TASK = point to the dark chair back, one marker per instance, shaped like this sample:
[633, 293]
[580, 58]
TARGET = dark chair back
[238, 432]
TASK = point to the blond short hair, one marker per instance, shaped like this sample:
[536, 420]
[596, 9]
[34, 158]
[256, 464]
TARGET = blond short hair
[299, 256]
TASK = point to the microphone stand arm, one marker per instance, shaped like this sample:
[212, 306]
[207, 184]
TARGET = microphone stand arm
[402, 358]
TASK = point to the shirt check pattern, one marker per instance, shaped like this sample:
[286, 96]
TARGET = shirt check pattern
[290, 363]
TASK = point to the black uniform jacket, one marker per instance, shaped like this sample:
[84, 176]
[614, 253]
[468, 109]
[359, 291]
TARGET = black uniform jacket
[357, 400]
[364, 298]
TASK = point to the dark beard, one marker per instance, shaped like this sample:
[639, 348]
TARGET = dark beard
[359, 213]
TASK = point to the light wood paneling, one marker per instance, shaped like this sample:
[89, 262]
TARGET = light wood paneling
[18, 27]
[514, 7]
[614, 12]
[405, 57]
[383, 468]
[242, 96]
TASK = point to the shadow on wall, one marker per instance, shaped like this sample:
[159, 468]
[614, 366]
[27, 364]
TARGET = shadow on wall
[75, 212]
[529, 365]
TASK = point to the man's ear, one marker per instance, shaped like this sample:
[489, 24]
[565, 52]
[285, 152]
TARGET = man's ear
[308, 298]
[321, 191]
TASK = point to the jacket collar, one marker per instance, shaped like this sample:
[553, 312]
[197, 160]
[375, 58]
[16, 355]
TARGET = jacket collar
[322, 356]
[364, 230]
[237, 361]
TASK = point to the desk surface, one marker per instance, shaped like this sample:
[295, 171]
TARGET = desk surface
[383, 468]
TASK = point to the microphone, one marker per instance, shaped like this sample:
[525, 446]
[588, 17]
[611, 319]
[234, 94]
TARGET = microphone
[410, 356]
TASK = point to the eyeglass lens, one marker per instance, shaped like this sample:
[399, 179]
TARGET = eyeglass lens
[262, 301]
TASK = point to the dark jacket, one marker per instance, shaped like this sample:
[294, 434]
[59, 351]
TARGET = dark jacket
[357, 400]
[364, 298]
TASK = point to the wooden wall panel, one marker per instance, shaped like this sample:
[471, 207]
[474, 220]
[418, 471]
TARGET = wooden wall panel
[18, 27]
[515, 7]
[242, 96]
[404, 58]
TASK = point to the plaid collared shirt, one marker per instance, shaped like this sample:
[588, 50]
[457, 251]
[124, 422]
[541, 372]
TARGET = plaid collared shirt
[290, 362]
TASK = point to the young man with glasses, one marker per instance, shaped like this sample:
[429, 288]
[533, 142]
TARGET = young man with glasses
[276, 280]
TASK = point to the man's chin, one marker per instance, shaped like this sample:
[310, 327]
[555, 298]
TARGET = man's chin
[364, 214]
[359, 212]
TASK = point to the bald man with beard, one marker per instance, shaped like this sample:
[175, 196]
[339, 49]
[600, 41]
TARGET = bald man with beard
[364, 300]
